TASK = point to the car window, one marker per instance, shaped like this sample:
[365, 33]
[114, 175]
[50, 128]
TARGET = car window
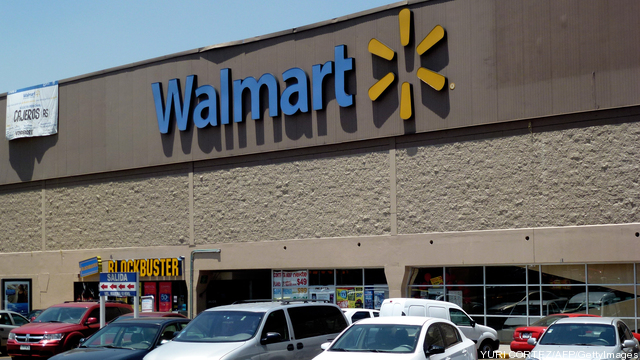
[459, 318]
[19, 320]
[4, 319]
[309, 321]
[376, 338]
[169, 331]
[125, 310]
[221, 326]
[376, 314]
[624, 332]
[95, 313]
[433, 337]
[111, 313]
[359, 315]
[450, 335]
[276, 322]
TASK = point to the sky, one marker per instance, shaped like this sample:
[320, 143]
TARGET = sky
[46, 41]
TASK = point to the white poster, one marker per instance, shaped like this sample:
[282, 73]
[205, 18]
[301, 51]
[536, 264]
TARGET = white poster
[33, 111]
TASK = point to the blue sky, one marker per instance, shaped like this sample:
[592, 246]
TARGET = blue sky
[45, 41]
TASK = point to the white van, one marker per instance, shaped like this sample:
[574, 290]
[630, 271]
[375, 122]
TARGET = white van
[288, 330]
[486, 338]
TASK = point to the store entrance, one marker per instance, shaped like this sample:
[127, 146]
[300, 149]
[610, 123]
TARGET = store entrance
[227, 287]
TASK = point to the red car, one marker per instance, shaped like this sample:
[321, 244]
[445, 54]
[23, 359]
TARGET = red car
[535, 330]
[60, 328]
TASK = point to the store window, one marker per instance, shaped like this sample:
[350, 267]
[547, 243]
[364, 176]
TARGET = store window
[505, 297]
[348, 288]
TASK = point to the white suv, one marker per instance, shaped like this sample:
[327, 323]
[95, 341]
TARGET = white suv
[266, 330]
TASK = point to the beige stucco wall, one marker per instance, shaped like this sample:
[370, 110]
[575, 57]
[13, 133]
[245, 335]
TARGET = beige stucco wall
[322, 197]
[21, 221]
[140, 211]
[575, 176]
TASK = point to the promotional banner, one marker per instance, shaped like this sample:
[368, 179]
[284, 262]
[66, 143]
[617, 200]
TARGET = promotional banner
[32, 111]
[17, 296]
[165, 296]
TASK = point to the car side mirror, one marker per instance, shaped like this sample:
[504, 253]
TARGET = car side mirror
[473, 323]
[325, 346]
[532, 341]
[81, 341]
[434, 349]
[270, 338]
[628, 344]
[92, 320]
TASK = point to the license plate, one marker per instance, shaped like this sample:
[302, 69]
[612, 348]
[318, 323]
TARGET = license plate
[526, 335]
[25, 347]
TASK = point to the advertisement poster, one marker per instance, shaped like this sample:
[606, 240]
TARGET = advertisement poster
[165, 296]
[378, 298]
[17, 295]
[356, 298]
[150, 289]
[342, 297]
[290, 284]
[368, 299]
[32, 111]
[321, 293]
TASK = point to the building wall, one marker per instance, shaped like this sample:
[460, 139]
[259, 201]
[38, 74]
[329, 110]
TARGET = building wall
[149, 210]
[319, 197]
[584, 175]
[20, 216]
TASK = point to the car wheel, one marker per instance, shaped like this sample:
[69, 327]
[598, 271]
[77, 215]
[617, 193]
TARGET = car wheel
[486, 350]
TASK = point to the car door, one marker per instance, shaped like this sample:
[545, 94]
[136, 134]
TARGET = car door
[445, 335]
[281, 348]
[625, 334]
[314, 325]
[6, 325]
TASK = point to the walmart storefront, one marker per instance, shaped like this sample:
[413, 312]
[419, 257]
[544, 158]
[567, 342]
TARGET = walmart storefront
[484, 152]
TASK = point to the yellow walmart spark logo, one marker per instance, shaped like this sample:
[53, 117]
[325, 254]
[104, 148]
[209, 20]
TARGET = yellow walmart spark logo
[431, 78]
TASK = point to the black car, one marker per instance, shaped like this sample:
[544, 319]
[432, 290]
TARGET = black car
[129, 339]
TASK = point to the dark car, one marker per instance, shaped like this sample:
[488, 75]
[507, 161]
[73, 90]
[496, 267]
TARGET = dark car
[129, 339]
[33, 314]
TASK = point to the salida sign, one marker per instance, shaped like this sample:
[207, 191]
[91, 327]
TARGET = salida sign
[294, 98]
[118, 284]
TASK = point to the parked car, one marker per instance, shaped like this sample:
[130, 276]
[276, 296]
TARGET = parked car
[585, 338]
[9, 320]
[401, 338]
[522, 334]
[127, 339]
[354, 315]
[485, 338]
[285, 330]
[149, 314]
[60, 328]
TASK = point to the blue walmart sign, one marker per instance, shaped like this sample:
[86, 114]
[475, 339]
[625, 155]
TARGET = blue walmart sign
[294, 98]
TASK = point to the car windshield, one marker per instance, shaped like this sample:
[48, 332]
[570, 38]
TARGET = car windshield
[548, 320]
[124, 336]
[580, 334]
[378, 338]
[71, 315]
[221, 326]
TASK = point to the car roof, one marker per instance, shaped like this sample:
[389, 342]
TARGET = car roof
[587, 320]
[353, 310]
[153, 320]
[264, 306]
[155, 314]
[399, 320]
[88, 304]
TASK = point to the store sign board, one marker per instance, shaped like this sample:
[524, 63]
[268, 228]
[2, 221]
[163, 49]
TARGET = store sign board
[32, 111]
[147, 267]
[294, 98]
[90, 266]
[118, 284]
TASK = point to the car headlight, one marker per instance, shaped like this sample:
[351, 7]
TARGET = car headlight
[12, 336]
[52, 337]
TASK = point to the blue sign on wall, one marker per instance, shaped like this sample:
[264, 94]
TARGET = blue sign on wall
[90, 266]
